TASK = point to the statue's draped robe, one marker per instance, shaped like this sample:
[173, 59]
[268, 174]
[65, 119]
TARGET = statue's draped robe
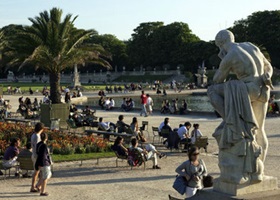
[240, 124]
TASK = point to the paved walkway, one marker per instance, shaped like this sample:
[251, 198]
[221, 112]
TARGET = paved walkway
[106, 182]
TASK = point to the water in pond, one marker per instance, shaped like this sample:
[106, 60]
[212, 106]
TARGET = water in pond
[195, 102]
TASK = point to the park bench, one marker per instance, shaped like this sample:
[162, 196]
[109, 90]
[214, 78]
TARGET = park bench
[106, 133]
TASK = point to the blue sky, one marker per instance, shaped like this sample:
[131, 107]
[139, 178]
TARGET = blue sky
[120, 17]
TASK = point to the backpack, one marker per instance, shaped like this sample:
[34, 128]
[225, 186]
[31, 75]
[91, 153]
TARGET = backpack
[134, 157]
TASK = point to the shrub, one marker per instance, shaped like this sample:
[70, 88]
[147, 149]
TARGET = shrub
[58, 141]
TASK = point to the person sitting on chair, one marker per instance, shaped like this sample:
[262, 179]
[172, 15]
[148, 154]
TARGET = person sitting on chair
[119, 147]
[26, 154]
[196, 133]
[164, 124]
[122, 127]
[106, 126]
[10, 155]
[183, 133]
[149, 152]
[136, 130]
[78, 120]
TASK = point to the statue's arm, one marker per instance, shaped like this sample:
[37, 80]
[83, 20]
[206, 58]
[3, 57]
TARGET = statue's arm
[223, 71]
[268, 71]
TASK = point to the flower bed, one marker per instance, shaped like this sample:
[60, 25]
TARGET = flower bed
[59, 142]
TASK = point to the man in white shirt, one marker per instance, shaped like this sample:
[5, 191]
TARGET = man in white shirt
[35, 139]
[183, 133]
[107, 104]
[106, 126]
[166, 121]
[112, 103]
[150, 152]
[150, 104]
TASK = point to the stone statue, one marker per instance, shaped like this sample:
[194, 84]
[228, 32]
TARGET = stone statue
[242, 104]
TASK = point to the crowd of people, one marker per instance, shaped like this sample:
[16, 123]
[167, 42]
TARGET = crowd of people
[173, 108]
[106, 103]
[84, 118]
[27, 108]
[181, 134]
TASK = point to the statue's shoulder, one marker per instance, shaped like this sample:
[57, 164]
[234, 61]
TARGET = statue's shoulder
[249, 45]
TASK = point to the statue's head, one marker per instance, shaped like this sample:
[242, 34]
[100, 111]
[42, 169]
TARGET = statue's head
[224, 37]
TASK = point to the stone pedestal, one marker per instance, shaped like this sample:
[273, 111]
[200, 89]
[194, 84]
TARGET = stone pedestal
[268, 183]
[209, 194]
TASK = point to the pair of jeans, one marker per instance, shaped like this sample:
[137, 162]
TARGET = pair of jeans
[143, 110]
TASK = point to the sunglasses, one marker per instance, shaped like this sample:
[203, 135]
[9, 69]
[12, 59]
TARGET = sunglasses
[195, 154]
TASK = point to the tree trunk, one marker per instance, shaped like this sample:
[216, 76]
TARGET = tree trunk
[55, 88]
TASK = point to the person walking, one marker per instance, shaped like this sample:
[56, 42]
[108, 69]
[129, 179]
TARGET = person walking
[150, 104]
[43, 163]
[35, 139]
[143, 103]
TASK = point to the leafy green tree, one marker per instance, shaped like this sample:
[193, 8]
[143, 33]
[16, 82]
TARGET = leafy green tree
[153, 44]
[53, 44]
[168, 42]
[262, 29]
[139, 46]
[112, 44]
[3, 44]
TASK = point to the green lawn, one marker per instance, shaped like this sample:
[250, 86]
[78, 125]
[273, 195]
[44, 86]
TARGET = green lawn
[79, 157]
[143, 79]
[39, 86]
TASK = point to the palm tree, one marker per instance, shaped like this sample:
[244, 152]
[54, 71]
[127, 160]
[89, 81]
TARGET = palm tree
[54, 44]
[2, 43]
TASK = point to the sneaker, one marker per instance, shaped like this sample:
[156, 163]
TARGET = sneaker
[44, 194]
[34, 190]
[156, 167]
[162, 155]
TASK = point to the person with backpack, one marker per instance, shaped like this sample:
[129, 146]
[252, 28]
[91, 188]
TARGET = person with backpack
[149, 152]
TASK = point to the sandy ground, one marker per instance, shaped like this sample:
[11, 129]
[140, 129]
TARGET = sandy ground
[105, 181]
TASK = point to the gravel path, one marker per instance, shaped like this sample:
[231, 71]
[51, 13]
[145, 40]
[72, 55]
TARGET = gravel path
[106, 182]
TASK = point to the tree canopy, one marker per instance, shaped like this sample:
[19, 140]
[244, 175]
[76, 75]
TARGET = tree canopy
[53, 44]
[262, 29]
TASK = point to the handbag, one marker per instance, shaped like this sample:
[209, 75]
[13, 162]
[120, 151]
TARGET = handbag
[180, 184]
[207, 181]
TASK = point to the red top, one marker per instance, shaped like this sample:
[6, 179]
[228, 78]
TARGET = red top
[143, 99]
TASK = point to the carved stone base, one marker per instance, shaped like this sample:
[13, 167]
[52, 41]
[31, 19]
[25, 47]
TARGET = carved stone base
[268, 183]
